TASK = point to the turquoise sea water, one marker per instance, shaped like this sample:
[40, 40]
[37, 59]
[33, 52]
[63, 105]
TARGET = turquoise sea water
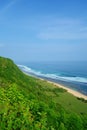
[70, 74]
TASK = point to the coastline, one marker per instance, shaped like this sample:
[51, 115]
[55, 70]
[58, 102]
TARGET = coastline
[69, 90]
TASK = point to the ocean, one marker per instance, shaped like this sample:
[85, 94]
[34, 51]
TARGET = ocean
[70, 74]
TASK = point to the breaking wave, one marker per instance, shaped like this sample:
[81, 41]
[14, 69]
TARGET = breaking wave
[53, 76]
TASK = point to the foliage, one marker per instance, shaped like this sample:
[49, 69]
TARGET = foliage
[27, 103]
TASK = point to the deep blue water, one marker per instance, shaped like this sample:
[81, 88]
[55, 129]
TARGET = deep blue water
[70, 74]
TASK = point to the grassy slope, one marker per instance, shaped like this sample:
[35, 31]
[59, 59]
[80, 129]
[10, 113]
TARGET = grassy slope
[37, 92]
[66, 100]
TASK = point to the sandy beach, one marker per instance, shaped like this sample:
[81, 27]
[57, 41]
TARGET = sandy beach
[71, 91]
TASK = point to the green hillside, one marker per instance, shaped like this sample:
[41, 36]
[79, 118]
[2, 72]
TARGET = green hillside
[28, 103]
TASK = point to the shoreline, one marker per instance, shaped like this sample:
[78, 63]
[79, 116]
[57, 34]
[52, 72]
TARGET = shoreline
[69, 90]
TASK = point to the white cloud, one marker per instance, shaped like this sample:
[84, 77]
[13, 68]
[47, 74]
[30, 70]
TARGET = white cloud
[1, 45]
[63, 35]
[63, 29]
[6, 7]
[83, 29]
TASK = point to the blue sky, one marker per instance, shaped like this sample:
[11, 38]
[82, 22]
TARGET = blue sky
[43, 30]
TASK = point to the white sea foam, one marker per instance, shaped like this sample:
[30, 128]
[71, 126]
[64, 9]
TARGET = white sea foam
[53, 76]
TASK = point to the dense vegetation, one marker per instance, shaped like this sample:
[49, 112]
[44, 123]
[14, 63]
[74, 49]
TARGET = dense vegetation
[27, 103]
